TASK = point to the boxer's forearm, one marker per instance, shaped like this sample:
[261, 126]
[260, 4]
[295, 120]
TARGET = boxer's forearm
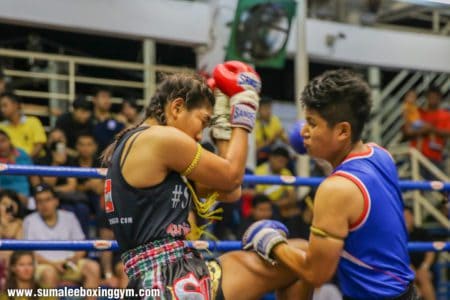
[222, 147]
[306, 290]
[296, 260]
[236, 153]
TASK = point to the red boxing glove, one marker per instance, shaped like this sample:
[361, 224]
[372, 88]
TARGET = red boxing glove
[233, 77]
[211, 83]
[242, 84]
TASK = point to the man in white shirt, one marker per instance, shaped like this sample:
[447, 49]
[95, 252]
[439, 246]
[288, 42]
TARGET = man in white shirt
[50, 223]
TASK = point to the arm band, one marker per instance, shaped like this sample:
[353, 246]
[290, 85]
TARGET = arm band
[321, 233]
[194, 161]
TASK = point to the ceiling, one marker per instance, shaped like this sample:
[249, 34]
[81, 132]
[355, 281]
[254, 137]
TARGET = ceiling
[432, 16]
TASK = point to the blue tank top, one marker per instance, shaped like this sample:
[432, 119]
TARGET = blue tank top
[142, 215]
[375, 262]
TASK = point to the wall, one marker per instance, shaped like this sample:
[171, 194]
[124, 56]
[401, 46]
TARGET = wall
[180, 22]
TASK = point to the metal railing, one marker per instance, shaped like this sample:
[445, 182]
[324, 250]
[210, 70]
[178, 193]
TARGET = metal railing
[422, 204]
[391, 97]
[63, 69]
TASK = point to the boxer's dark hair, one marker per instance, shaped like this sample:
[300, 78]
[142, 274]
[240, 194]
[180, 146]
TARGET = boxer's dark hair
[340, 96]
[190, 87]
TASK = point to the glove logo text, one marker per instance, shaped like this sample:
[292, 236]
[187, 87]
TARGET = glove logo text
[249, 80]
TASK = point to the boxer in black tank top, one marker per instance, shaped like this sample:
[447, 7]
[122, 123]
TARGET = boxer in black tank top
[148, 195]
[135, 213]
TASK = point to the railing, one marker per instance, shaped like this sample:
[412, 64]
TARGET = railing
[389, 116]
[415, 161]
[63, 71]
[424, 204]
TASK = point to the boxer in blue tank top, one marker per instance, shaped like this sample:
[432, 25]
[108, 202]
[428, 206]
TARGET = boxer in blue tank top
[358, 228]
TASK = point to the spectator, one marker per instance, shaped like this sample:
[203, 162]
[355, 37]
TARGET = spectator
[300, 226]
[11, 155]
[411, 113]
[26, 132]
[86, 147]
[433, 137]
[66, 187]
[129, 113]
[78, 121]
[55, 135]
[11, 214]
[20, 275]
[421, 261]
[268, 130]
[262, 208]
[58, 157]
[51, 223]
[283, 196]
[106, 126]
[412, 118]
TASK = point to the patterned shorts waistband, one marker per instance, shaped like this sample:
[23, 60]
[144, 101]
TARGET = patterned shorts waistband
[151, 255]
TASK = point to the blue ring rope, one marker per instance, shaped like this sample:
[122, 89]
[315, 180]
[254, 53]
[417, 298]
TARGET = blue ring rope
[6, 169]
[219, 246]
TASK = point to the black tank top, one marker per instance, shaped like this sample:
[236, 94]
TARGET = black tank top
[142, 215]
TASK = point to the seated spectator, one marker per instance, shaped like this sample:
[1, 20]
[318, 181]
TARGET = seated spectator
[25, 132]
[411, 113]
[412, 118]
[261, 209]
[300, 227]
[11, 215]
[20, 274]
[58, 157]
[105, 125]
[86, 147]
[129, 113]
[431, 140]
[421, 261]
[283, 196]
[55, 135]
[268, 130]
[15, 156]
[77, 121]
[66, 187]
[51, 223]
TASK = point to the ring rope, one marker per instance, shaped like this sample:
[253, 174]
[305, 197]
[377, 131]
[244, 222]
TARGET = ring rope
[219, 246]
[7, 169]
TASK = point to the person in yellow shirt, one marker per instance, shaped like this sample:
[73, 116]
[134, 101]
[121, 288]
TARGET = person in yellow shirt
[268, 130]
[283, 196]
[413, 119]
[26, 132]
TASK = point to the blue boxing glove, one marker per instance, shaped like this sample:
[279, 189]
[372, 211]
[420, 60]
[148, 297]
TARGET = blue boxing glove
[263, 236]
[296, 138]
